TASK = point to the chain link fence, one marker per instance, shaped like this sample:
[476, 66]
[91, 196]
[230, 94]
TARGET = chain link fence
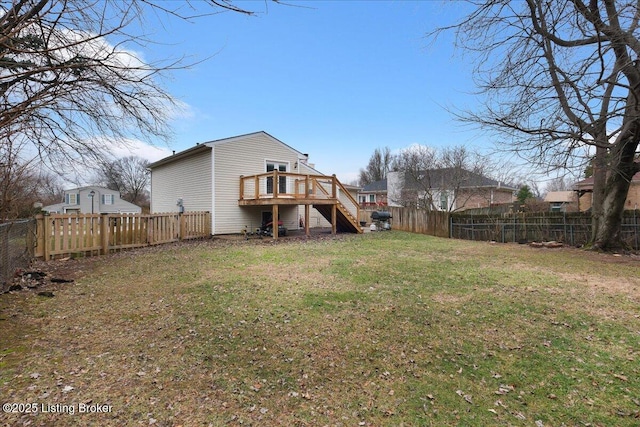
[569, 228]
[17, 243]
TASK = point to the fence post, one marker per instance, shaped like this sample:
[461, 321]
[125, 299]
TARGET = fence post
[635, 229]
[181, 226]
[46, 239]
[104, 233]
[40, 238]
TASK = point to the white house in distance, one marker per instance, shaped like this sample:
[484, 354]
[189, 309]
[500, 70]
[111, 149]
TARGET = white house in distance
[92, 199]
[245, 181]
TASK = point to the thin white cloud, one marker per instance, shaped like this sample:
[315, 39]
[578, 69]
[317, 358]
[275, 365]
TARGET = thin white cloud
[141, 149]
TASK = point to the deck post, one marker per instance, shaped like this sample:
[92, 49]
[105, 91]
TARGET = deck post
[257, 188]
[334, 217]
[241, 187]
[276, 184]
[306, 220]
[334, 193]
[274, 221]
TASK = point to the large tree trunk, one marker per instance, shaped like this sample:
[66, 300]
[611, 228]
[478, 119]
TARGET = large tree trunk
[607, 235]
[599, 184]
[607, 215]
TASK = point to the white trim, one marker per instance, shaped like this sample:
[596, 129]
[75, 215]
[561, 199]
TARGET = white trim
[277, 164]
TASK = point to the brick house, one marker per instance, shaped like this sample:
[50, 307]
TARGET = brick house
[584, 189]
[446, 189]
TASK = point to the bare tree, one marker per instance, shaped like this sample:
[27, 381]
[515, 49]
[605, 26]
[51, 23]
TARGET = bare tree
[443, 179]
[412, 177]
[22, 185]
[379, 165]
[70, 85]
[561, 81]
[560, 183]
[129, 176]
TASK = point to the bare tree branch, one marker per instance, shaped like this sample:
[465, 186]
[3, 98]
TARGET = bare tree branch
[561, 80]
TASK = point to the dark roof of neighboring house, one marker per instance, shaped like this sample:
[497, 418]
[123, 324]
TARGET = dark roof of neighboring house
[452, 177]
[587, 183]
[375, 187]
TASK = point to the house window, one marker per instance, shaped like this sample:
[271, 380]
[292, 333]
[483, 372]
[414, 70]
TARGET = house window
[282, 180]
[71, 198]
[444, 202]
[107, 199]
[372, 198]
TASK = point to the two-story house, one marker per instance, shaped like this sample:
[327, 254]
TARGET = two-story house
[92, 200]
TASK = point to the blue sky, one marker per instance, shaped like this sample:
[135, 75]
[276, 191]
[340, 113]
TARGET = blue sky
[334, 79]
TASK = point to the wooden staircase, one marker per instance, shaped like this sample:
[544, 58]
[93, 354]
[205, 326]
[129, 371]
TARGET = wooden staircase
[345, 221]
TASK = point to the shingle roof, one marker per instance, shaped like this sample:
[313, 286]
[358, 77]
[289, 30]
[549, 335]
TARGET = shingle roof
[452, 177]
[375, 187]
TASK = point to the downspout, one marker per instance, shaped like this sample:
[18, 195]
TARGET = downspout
[213, 191]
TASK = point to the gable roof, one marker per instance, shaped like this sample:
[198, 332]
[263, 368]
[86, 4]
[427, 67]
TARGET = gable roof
[450, 177]
[210, 144]
[181, 155]
[587, 183]
[560, 197]
[92, 187]
[375, 186]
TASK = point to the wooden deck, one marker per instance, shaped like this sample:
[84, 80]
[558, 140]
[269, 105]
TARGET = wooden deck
[325, 193]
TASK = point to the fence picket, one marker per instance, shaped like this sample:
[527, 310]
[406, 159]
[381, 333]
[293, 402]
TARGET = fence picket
[68, 234]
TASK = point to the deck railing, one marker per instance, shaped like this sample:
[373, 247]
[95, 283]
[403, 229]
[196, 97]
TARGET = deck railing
[273, 185]
[290, 187]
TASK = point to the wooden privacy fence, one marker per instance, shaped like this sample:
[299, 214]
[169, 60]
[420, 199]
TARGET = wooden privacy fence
[94, 234]
[433, 223]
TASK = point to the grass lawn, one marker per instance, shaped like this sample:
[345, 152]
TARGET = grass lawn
[381, 329]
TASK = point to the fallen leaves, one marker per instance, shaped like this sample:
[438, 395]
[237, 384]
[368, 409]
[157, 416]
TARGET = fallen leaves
[504, 389]
[621, 377]
[467, 397]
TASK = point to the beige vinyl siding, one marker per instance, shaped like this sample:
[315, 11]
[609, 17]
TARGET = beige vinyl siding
[188, 178]
[246, 155]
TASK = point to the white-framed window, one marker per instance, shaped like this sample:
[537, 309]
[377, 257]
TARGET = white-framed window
[282, 180]
[444, 201]
[71, 199]
[107, 199]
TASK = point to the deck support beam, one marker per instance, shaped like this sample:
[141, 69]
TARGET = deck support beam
[274, 222]
[334, 219]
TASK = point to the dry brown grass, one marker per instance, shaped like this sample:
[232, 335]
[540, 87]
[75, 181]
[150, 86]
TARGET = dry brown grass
[383, 329]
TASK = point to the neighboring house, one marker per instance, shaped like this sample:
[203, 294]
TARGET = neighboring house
[562, 201]
[373, 195]
[447, 189]
[584, 190]
[92, 199]
[245, 181]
